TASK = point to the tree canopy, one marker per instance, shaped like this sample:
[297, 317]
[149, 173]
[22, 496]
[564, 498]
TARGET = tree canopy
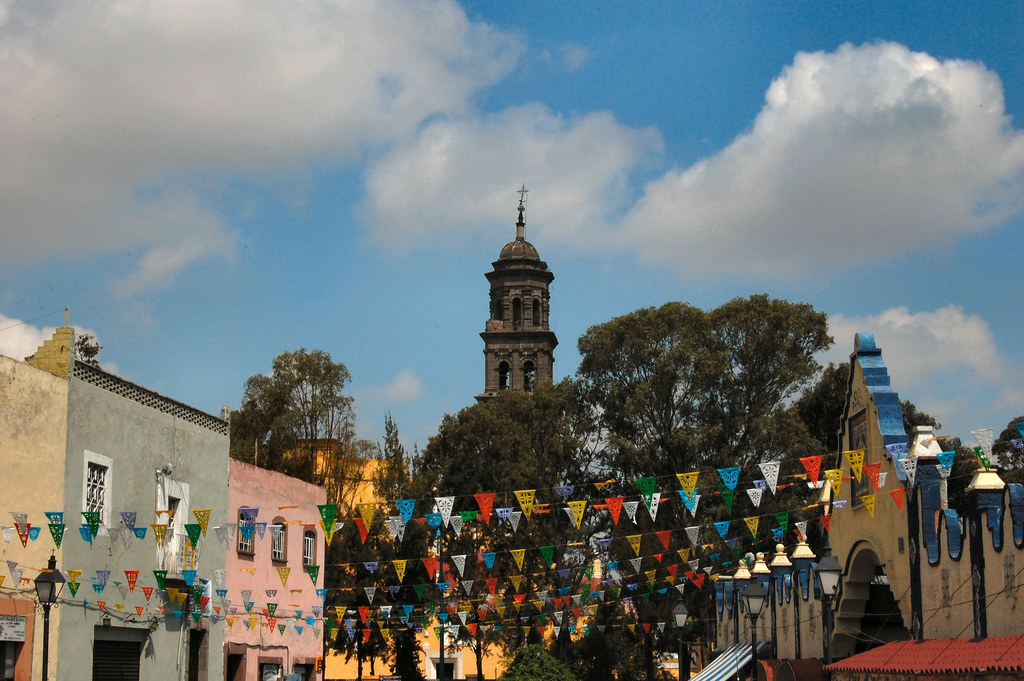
[298, 420]
[678, 388]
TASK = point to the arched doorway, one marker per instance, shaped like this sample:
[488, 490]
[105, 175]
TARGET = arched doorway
[868, 615]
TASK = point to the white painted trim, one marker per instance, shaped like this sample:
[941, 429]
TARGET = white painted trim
[108, 497]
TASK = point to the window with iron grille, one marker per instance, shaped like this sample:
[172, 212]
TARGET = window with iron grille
[96, 487]
[309, 547]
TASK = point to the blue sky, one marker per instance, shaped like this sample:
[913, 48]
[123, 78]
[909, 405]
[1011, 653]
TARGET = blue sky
[207, 185]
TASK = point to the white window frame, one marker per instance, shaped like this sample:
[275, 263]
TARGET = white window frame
[108, 492]
[308, 547]
[278, 543]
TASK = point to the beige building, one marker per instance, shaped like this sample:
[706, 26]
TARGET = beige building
[910, 567]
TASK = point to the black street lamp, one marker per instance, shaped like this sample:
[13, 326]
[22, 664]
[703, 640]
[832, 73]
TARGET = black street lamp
[48, 585]
[754, 597]
[827, 572]
[680, 615]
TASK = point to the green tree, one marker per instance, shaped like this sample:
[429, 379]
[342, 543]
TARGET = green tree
[517, 441]
[678, 388]
[1011, 459]
[87, 349]
[532, 663]
[299, 421]
[821, 405]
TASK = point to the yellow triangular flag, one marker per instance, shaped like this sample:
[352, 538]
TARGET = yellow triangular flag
[73, 575]
[577, 508]
[632, 628]
[400, 568]
[172, 594]
[519, 554]
[634, 541]
[869, 503]
[856, 459]
[367, 511]
[684, 555]
[525, 497]
[688, 481]
[283, 572]
[202, 517]
[835, 478]
[752, 523]
[160, 534]
[517, 580]
[650, 574]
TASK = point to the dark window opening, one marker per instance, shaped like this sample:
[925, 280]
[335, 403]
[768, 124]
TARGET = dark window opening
[503, 376]
[517, 312]
[495, 307]
[536, 311]
[529, 376]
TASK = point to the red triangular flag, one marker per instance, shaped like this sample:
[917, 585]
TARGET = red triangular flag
[897, 496]
[812, 464]
[486, 504]
[363, 532]
[615, 507]
[826, 522]
[431, 565]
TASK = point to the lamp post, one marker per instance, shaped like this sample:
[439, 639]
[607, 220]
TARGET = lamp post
[754, 597]
[680, 614]
[827, 572]
[48, 585]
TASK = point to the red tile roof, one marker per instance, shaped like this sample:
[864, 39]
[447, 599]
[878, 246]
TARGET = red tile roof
[999, 654]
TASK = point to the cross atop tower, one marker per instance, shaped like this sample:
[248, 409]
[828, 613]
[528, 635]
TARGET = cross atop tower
[521, 225]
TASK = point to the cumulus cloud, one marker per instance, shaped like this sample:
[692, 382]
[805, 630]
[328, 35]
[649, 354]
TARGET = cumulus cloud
[19, 339]
[864, 151]
[405, 387]
[458, 174]
[946, 361]
[117, 115]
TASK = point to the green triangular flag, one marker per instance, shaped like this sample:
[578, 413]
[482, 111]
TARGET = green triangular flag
[419, 590]
[647, 487]
[197, 616]
[161, 578]
[783, 519]
[74, 588]
[549, 554]
[271, 608]
[313, 571]
[194, 531]
[727, 495]
[92, 519]
[57, 532]
[328, 512]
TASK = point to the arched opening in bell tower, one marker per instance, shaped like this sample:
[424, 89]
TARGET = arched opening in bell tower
[503, 376]
[529, 376]
[536, 312]
[517, 312]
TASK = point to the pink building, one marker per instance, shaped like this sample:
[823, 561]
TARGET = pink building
[274, 569]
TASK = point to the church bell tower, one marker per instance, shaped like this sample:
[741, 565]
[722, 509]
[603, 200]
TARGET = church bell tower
[518, 343]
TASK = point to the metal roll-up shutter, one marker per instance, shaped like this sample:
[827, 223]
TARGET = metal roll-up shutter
[115, 660]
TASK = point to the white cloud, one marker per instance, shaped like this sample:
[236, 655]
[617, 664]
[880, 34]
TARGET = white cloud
[574, 57]
[856, 154]
[458, 175]
[405, 387]
[946, 361]
[118, 116]
[20, 339]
